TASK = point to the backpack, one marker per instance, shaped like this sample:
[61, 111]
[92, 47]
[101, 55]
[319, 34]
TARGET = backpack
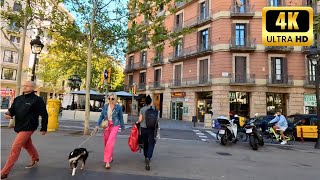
[151, 118]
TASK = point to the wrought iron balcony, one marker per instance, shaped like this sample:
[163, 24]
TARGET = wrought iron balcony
[157, 61]
[156, 85]
[200, 20]
[181, 4]
[246, 10]
[205, 80]
[243, 79]
[284, 49]
[142, 86]
[191, 52]
[129, 68]
[140, 65]
[280, 79]
[178, 27]
[242, 44]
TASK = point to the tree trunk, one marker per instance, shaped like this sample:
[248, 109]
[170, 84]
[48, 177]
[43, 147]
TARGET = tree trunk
[88, 78]
[21, 51]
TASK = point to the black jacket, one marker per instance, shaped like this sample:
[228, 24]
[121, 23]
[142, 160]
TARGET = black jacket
[26, 109]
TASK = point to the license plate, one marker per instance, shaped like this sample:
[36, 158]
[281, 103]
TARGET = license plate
[248, 130]
[221, 131]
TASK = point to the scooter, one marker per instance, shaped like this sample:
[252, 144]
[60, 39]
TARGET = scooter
[228, 131]
[254, 134]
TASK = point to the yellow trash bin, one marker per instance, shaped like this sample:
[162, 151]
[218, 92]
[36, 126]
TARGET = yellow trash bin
[53, 114]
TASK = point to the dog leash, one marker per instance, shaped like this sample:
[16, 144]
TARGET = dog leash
[92, 134]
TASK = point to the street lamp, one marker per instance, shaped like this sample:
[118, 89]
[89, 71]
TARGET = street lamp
[36, 48]
[314, 57]
[74, 82]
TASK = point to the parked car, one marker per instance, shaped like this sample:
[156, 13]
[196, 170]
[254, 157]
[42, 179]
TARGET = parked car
[307, 123]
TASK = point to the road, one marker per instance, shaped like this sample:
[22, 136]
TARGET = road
[174, 159]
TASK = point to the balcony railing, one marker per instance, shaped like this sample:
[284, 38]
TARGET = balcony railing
[140, 65]
[157, 61]
[129, 68]
[279, 48]
[280, 79]
[204, 80]
[307, 48]
[11, 78]
[193, 51]
[11, 60]
[182, 3]
[244, 10]
[142, 86]
[277, 3]
[243, 79]
[157, 85]
[200, 20]
[178, 27]
[310, 80]
[243, 44]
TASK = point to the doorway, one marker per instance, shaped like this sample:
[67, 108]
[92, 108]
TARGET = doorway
[176, 110]
[204, 105]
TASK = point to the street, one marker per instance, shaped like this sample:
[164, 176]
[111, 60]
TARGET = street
[174, 158]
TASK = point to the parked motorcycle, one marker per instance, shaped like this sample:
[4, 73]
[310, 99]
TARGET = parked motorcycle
[228, 131]
[255, 135]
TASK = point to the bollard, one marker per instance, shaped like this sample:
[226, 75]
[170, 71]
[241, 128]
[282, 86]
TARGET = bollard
[302, 140]
[53, 108]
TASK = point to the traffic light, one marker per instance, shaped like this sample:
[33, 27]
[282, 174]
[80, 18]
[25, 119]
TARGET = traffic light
[109, 75]
[134, 88]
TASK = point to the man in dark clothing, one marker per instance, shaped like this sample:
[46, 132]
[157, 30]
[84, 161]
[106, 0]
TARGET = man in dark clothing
[26, 109]
[147, 134]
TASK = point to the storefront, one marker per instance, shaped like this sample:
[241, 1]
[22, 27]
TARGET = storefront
[177, 101]
[310, 104]
[158, 101]
[204, 104]
[275, 102]
[240, 103]
[7, 96]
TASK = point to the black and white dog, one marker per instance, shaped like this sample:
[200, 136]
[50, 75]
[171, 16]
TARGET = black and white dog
[79, 154]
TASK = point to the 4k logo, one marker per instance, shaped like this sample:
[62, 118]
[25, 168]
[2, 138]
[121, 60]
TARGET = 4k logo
[287, 26]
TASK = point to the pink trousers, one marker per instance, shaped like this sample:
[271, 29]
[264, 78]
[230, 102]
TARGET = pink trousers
[109, 135]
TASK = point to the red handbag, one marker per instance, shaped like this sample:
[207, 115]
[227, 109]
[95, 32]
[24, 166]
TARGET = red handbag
[133, 139]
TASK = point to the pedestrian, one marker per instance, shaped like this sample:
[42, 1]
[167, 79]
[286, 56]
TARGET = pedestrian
[147, 134]
[26, 110]
[112, 113]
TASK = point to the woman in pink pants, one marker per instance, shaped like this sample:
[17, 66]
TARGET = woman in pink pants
[112, 113]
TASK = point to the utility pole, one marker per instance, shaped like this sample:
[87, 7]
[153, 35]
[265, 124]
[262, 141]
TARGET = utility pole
[133, 93]
[88, 78]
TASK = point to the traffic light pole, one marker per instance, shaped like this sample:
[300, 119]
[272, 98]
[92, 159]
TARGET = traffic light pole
[107, 91]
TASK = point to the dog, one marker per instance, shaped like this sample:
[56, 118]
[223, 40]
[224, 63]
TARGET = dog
[79, 154]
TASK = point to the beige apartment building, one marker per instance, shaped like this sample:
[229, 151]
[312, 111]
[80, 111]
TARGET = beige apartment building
[223, 66]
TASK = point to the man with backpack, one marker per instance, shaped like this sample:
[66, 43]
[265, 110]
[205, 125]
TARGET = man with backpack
[148, 120]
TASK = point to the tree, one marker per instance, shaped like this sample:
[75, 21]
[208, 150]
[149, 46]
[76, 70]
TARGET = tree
[27, 15]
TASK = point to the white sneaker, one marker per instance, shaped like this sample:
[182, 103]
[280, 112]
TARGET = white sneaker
[283, 142]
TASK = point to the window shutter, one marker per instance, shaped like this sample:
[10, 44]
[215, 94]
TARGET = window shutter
[273, 67]
[284, 66]
[233, 32]
[209, 37]
[247, 35]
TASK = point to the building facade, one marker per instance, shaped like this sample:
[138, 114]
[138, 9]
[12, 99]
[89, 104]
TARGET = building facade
[222, 66]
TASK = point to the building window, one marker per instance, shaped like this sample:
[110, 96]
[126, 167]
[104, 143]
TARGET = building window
[130, 77]
[1, 3]
[279, 70]
[203, 71]
[143, 58]
[130, 61]
[177, 75]
[179, 21]
[240, 103]
[8, 74]
[275, 3]
[10, 56]
[157, 75]
[15, 39]
[311, 72]
[178, 48]
[17, 6]
[204, 39]
[240, 34]
[240, 69]
[275, 102]
[142, 80]
[161, 7]
[203, 11]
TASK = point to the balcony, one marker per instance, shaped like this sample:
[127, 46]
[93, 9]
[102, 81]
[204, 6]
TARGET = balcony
[157, 61]
[191, 52]
[11, 60]
[178, 27]
[243, 79]
[280, 80]
[182, 3]
[245, 11]
[309, 81]
[305, 49]
[279, 49]
[242, 44]
[127, 88]
[9, 78]
[129, 68]
[200, 20]
[142, 86]
[196, 81]
[156, 85]
[140, 65]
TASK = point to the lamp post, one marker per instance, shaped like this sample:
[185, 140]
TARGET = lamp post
[36, 48]
[74, 82]
[314, 56]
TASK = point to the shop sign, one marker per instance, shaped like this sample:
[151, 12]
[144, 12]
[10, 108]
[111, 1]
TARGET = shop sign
[310, 100]
[178, 94]
[7, 92]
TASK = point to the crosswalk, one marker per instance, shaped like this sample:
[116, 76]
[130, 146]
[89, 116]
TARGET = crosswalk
[205, 135]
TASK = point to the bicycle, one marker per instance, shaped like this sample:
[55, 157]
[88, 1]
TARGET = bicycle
[273, 135]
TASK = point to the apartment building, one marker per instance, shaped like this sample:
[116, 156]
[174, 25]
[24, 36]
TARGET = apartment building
[9, 57]
[223, 66]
